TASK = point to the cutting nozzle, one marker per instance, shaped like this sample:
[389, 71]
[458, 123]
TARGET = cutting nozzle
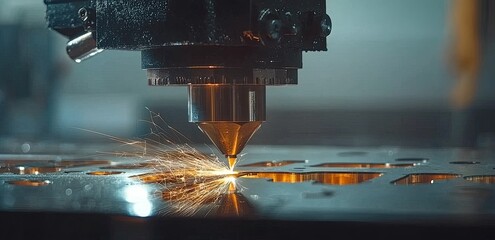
[228, 114]
[230, 137]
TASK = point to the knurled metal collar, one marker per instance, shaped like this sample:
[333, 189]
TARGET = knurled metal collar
[184, 76]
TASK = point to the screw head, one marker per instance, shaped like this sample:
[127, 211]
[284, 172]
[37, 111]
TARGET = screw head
[274, 29]
[326, 26]
[83, 14]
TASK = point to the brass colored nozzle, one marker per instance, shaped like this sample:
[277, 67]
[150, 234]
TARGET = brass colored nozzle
[230, 137]
[229, 114]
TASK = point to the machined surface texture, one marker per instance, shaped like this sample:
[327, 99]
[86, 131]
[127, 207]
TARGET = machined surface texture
[234, 76]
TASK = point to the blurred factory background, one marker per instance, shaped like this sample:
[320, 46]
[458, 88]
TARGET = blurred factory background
[386, 79]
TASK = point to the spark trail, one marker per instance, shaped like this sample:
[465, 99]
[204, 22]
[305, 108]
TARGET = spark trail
[191, 180]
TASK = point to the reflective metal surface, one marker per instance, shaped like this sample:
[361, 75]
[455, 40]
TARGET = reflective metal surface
[82, 47]
[232, 103]
[228, 114]
[230, 137]
[266, 187]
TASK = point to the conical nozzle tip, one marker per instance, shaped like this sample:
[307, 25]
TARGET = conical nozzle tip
[230, 137]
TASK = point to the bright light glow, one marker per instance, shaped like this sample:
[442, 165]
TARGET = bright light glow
[230, 179]
[142, 209]
[138, 197]
[191, 179]
[136, 193]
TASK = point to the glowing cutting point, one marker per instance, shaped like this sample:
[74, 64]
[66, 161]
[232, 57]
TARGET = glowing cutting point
[232, 161]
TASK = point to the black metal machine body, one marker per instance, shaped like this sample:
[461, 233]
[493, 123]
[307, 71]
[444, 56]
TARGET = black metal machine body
[226, 51]
[194, 34]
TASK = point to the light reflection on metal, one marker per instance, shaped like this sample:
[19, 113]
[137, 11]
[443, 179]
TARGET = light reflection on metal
[226, 103]
[21, 170]
[333, 178]
[366, 165]
[188, 191]
[190, 198]
[100, 173]
[139, 199]
[488, 179]
[234, 204]
[425, 178]
[82, 47]
[142, 209]
[51, 163]
[132, 166]
[273, 163]
[423, 160]
[30, 183]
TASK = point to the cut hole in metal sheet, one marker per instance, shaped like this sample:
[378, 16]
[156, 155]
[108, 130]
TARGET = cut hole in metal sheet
[29, 183]
[366, 165]
[333, 178]
[352, 154]
[273, 163]
[424, 160]
[464, 162]
[425, 178]
[100, 173]
[489, 179]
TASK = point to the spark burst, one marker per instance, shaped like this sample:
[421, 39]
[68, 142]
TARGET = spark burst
[191, 180]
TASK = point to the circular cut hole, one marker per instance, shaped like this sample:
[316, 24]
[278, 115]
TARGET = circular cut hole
[29, 183]
[100, 173]
[412, 159]
[464, 162]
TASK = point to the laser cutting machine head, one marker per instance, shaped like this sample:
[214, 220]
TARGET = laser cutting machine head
[225, 51]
